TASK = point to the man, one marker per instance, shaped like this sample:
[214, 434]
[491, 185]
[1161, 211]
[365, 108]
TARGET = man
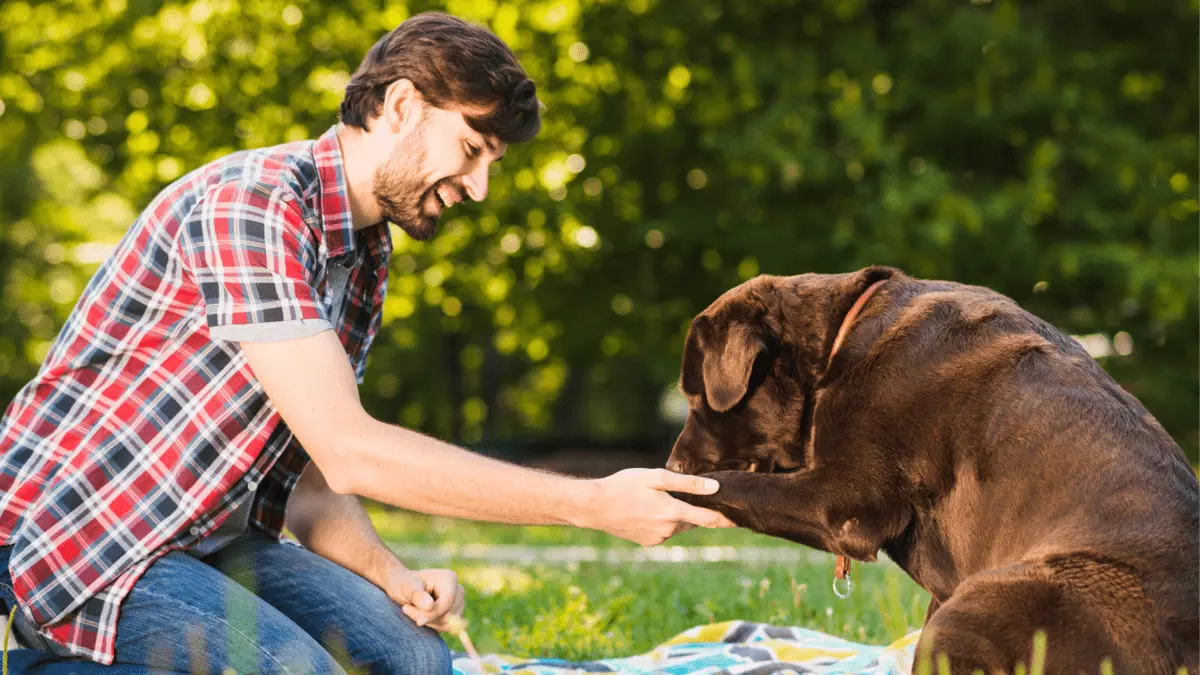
[147, 471]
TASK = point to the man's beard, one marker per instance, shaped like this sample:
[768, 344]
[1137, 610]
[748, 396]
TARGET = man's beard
[400, 191]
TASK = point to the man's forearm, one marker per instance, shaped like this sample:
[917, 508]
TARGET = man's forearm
[404, 468]
[361, 456]
[337, 527]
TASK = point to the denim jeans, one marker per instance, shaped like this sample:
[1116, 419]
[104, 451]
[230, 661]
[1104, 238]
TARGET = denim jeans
[255, 606]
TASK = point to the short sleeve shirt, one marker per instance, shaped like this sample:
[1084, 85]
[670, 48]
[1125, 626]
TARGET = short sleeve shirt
[145, 428]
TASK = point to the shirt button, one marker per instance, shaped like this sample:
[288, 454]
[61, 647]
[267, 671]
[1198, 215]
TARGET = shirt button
[252, 485]
[194, 530]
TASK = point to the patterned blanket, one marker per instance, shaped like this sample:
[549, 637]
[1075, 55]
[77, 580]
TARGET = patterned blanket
[730, 648]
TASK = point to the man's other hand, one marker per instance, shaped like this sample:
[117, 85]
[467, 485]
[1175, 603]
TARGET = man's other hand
[428, 597]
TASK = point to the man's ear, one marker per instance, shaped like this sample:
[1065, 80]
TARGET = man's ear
[401, 110]
[720, 368]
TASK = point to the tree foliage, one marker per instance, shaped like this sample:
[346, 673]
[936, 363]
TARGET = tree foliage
[1046, 150]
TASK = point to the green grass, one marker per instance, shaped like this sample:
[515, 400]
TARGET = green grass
[596, 610]
[415, 528]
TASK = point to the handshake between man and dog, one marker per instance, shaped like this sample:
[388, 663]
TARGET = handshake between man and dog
[982, 449]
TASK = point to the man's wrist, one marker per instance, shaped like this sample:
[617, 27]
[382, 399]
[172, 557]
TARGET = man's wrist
[582, 502]
[383, 565]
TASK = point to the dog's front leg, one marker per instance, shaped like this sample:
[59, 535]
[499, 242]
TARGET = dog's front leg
[807, 507]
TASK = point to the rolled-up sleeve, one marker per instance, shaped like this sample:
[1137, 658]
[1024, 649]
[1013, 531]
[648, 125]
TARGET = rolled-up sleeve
[253, 258]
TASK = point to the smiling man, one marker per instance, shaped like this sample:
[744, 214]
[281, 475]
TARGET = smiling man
[202, 395]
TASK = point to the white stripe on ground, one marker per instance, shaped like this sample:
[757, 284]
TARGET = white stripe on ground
[523, 554]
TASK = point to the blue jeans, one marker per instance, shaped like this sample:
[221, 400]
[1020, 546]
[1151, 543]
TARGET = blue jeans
[256, 606]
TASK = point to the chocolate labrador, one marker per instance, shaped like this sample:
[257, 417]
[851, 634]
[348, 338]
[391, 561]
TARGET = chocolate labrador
[982, 449]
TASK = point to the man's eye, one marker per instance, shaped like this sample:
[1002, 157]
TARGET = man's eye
[472, 151]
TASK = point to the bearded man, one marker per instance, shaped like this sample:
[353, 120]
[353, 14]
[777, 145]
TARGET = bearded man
[202, 396]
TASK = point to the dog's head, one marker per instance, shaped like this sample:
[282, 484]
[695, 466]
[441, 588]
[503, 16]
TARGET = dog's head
[751, 363]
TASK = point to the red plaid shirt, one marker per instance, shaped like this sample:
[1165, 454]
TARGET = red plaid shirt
[145, 427]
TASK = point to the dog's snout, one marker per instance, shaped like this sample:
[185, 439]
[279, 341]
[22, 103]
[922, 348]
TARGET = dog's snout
[676, 465]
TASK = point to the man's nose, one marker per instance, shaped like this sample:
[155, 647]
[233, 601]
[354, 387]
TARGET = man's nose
[476, 183]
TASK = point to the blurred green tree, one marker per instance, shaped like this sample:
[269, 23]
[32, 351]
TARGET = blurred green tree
[1048, 151]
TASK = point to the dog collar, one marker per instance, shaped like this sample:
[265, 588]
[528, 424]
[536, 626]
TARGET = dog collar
[851, 316]
[841, 568]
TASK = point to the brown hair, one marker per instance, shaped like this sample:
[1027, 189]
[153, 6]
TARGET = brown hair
[453, 64]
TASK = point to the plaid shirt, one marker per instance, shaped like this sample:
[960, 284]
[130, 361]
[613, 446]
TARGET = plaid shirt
[145, 427]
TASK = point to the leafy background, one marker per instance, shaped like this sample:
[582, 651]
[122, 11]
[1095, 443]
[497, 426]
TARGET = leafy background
[1046, 150]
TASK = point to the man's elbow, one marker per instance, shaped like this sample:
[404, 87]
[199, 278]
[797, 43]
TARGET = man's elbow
[340, 455]
[342, 481]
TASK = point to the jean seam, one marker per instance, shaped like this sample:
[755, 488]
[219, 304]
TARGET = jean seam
[225, 623]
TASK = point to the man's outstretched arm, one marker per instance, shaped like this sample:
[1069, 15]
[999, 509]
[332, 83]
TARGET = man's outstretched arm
[311, 384]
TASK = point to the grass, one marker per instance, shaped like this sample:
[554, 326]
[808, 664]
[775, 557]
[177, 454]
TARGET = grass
[592, 610]
[414, 528]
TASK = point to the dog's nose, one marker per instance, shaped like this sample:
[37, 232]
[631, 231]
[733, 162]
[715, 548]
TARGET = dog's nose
[676, 466]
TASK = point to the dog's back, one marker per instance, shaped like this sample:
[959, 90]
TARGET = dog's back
[1079, 474]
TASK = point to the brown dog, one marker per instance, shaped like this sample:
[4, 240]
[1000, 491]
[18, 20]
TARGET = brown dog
[983, 450]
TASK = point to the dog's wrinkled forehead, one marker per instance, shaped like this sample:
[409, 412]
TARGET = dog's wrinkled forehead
[746, 301]
[752, 306]
[767, 298]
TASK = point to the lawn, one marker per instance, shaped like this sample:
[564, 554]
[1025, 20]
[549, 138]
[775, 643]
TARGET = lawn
[596, 608]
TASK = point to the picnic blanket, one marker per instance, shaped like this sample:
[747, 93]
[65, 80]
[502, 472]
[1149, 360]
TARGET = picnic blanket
[729, 648]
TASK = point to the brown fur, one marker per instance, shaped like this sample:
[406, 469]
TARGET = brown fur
[982, 449]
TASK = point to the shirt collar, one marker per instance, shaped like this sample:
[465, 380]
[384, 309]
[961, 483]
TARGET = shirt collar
[334, 198]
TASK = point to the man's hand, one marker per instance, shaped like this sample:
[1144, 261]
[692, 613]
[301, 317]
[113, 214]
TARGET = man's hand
[428, 597]
[633, 504]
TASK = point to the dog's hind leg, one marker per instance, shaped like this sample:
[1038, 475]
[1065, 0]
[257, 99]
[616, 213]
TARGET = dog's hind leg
[990, 623]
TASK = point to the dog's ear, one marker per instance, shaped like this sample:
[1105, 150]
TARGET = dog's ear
[727, 376]
[691, 378]
[720, 368]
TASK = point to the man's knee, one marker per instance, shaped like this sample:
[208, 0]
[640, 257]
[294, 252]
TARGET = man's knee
[300, 656]
[420, 651]
[434, 654]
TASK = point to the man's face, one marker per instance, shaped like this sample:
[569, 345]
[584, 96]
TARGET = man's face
[441, 162]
